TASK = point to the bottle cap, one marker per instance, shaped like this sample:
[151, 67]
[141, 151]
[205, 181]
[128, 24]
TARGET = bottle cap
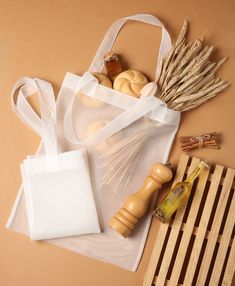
[110, 56]
[204, 164]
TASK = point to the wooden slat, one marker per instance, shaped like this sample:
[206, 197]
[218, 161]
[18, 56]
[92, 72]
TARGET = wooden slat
[224, 244]
[187, 233]
[166, 283]
[228, 275]
[211, 243]
[202, 229]
[196, 230]
[173, 238]
[149, 276]
[158, 245]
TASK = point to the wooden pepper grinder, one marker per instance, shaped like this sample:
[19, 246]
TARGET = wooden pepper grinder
[137, 204]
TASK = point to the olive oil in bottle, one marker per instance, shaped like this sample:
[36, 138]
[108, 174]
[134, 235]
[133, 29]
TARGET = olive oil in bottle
[178, 195]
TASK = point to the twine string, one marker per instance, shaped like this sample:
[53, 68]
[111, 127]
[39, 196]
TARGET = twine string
[201, 139]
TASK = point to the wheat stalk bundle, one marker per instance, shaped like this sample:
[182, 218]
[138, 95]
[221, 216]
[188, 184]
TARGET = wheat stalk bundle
[187, 76]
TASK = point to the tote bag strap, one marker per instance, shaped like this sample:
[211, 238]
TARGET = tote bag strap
[109, 39]
[142, 107]
[45, 124]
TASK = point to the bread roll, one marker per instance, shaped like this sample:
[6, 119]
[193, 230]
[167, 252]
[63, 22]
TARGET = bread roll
[130, 82]
[91, 102]
[103, 79]
[95, 126]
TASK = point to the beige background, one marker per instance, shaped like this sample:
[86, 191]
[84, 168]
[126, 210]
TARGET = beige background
[48, 38]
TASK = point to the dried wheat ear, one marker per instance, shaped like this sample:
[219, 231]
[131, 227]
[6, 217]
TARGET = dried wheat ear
[187, 76]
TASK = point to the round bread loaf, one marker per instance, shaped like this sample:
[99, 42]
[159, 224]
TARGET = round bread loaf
[91, 102]
[130, 82]
[95, 126]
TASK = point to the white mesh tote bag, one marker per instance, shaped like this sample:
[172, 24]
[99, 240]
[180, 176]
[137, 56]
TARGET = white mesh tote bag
[115, 116]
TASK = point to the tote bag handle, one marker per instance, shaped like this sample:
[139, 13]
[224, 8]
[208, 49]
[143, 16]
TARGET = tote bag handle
[142, 107]
[45, 124]
[112, 33]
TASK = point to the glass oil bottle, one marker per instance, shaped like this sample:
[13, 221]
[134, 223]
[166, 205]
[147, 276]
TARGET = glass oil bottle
[178, 195]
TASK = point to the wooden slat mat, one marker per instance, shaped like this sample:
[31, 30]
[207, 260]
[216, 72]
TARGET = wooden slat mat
[197, 247]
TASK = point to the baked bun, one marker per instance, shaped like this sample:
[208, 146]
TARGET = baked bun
[91, 102]
[103, 79]
[130, 82]
[95, 126]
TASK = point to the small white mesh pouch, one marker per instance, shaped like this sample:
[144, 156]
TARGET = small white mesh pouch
[57, 188]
